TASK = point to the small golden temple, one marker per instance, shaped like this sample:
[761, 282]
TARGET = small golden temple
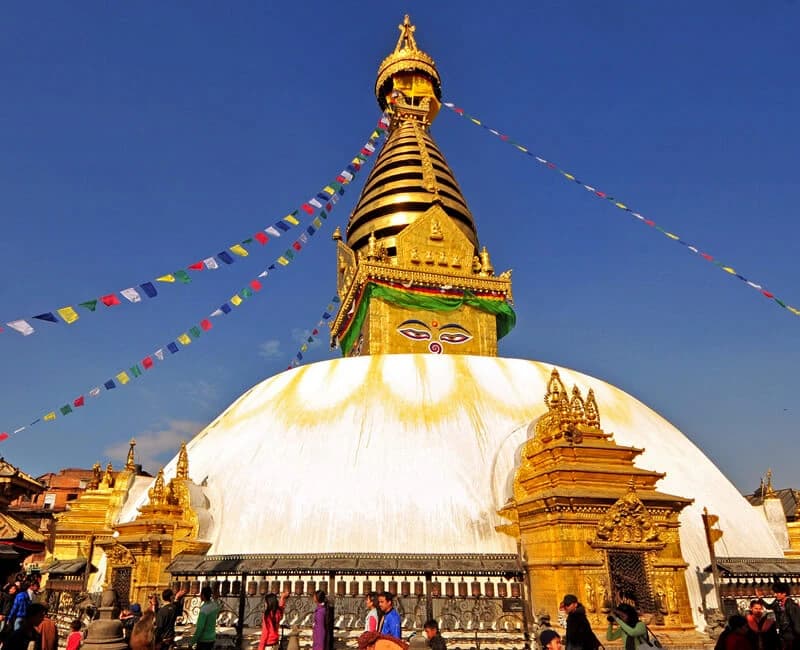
[477, 488]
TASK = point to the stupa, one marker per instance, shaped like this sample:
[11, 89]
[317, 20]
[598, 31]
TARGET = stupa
[477, 487]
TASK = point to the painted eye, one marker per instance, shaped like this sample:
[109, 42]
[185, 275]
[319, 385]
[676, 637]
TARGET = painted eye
[415, 335]
[454, 337]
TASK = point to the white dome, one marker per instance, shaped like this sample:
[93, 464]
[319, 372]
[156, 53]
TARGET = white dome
[415, 454]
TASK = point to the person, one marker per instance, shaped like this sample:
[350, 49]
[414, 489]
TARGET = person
[75, 637]
[143, 636]
[22, 601]
[787, 616]
[205, 633]
[762, 632]
[128, 617]
[371, 619]
[390, 622]
[166, 617]
[435, 639]
[152, 603]
[25, 635]
[579, 635]
[273, 613]
[550, 640]
[320, 631]
[48, 632]
[7, 597]
[734, 636]
[624, 623]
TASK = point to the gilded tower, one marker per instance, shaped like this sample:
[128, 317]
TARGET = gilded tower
[411, 274]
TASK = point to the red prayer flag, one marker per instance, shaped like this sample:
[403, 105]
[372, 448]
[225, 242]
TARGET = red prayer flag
[707, 257]
[205, 324]
[307, 208]
[147, 363]
[78, 401]
[767, 294]
[255, 285]
[341, 179]
[197, 266]
[602, 195]
[261, 238]
[315, 331]
[328, 207]
[650, 222]
[3, 436]
[297, 246]
[110, 300]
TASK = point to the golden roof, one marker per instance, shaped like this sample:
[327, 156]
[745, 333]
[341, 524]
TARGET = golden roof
[11, 527]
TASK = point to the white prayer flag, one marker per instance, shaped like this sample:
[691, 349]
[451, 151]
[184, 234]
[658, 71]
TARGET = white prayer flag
[159, 354]
[21, 326]
[211, 263]
[94, 392]
[272, 231]
[131, 294]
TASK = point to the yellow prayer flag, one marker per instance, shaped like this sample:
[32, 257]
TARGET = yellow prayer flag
[289, 218]
[729, 270]
[68, 314]
[236, 300]
[621, 206]
[184, 339]
[123, 378]
[329, 189]
[671, 236]
[569, 176]
[166, 278]
[521, 148]
[239, 250]
[796, 312]
[50, 416]
[282, 261]
[303, 347]
[317, 222]
[474, 121]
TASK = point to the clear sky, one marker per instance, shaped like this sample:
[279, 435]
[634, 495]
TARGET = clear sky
[136, 139]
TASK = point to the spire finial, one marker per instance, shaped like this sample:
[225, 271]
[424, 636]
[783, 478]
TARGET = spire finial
[406, 40]
[182, 472]
[768, 490]
[130, 462]
[156, 493]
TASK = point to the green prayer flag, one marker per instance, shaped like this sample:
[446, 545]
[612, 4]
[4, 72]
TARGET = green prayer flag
[323, 214]
[65, 409]
[246, 293]
[183, 276]
[194, 332]
[249, 240]
[91, 305]
[136, 371]
[288, 253]
[780, 302]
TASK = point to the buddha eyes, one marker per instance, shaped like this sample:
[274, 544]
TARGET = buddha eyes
[415, 334]
[454, 337]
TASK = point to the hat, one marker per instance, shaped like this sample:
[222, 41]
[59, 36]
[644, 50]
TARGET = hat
[136, 608]
[547, 636]
[569, 599]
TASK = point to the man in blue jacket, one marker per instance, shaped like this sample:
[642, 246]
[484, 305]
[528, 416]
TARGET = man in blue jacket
[23, 600]
[390, 623]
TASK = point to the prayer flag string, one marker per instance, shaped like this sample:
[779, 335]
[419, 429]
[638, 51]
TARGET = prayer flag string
[193, 333]
[617, 203]
[316, 332]
[135, 294]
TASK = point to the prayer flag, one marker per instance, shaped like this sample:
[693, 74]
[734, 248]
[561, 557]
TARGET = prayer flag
[110, 300]
[291, 219]
[79, 401]
[315, 331]
[197, 266]
[282, 261]
[263, 274]
[48, 316]
[184, 339]
[336, 299]
[297, 246]
[211, 263]
[136, 371]
[311, 230]
[323, 214]
[239, 250]
[110, 384]
[246, 292]
[317, 222]
[299, 356]
[236, 300]
[50, 416]
[205, 324]
[288, 253]
[326, 316]
[272, 231]
[247, 241]
[329, 190]
[166, 278]
[147, 363]
[149, 289]
[194, 332]
[315, 203]
[323, 196]
[66, 409]
[282, 226]
[256, 285]
[310, 339]
[225, 256]
[94, 392]
[347, 175]
[3, 436]
[183, 276]
[123, 378]
[173, 347]
[159, 354]
[307, 208]
[226, 308]
[303, 347]
[68, 314]
[20, 429]
[261, 238]
[91, 305]
[131, 295]
[303, 237]
[216, 312]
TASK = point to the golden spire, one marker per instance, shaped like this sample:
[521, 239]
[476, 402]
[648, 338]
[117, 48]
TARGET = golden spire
[108, 477]
[592, 412]
[94, 482]
[182, 472]
[337, 234]
[769, 492]
[130, 463]
[157, 493]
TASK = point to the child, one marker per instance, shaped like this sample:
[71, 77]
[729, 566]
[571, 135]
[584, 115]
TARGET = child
[76, 636]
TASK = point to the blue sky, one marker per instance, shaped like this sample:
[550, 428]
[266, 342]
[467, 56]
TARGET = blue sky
[139, 139]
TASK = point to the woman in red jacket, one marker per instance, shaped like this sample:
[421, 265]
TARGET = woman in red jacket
[270, 621]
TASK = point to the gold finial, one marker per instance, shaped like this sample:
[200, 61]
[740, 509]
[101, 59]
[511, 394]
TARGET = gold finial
[157, 494]
[592, 412]
[337, 234]
[130, 463]
[577, 408]
[108, 477]
[486, 263]
[372, 247]
[94, 482]
[182, 472]
[769, 492]
[555, 391]
[406, 40]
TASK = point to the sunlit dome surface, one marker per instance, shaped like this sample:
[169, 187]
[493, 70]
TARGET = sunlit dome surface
[415, 454]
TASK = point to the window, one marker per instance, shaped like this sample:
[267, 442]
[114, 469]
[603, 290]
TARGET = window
[82, 485]
[49, 500]
[72, 496]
